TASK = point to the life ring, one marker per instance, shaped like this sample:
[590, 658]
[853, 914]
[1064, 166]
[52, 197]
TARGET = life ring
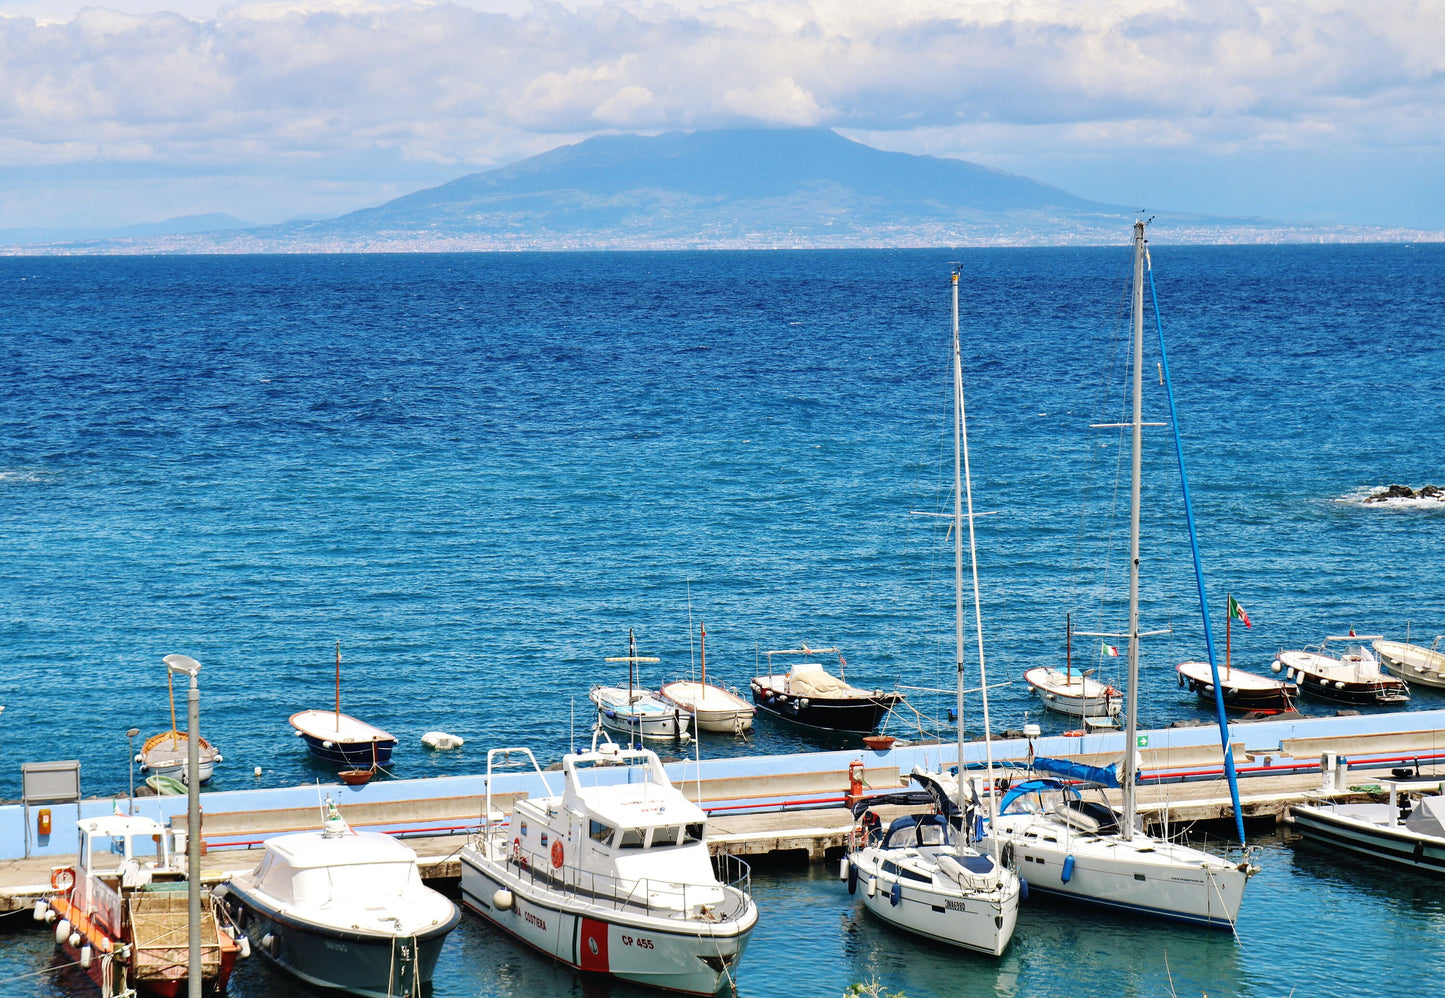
[557, 854]
[62, 878]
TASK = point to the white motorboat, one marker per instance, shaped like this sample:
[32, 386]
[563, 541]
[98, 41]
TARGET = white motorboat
[1071, 691]
[713, 708]
[612, 874]
[1350, 675]
[342, 909]
[1406, 830]
[1413, 663]
[1075, 851]
[632, 710]
[925, 874]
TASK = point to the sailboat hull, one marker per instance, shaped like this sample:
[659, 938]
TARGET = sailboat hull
[979, 921]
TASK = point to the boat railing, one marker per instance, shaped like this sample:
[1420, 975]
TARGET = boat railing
[724, 900]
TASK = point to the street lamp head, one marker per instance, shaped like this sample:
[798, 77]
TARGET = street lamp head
[132, 732]
[183, 664]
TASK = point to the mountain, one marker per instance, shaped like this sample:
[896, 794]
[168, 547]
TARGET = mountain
[730, 189]
[183, 225]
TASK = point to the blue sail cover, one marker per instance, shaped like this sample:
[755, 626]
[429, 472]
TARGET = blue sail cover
[1104, 776]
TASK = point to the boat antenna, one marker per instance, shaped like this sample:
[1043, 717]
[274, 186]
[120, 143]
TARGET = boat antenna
[1069, 648]
[703, 646]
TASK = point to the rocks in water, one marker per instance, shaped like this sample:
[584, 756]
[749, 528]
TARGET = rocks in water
[1405, 492]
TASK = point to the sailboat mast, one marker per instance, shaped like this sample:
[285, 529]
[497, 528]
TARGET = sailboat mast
[1131, 723]
[338, 686]
[703, 645]
[963, 492]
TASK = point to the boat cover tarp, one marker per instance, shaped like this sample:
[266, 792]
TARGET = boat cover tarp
[811, 680]
[160, 927]
[1428, 817]
[1104, 776]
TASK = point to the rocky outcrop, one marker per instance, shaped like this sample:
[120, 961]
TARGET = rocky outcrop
[1405, 492]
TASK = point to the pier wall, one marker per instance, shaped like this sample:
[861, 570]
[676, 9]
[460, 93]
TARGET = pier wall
[756, 784]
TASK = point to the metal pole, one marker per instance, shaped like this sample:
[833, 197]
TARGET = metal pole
[1130, 724]
[192, 668]
[130, 745]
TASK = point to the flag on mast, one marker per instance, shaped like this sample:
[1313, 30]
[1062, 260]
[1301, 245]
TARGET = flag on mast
[1237, 612]
[1111, 651]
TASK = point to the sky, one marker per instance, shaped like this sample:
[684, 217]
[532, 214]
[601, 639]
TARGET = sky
[128, 111]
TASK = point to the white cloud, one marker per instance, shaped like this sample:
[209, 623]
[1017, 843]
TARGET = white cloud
[277, 84]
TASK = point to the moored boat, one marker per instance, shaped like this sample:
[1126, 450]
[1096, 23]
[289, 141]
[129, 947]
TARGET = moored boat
[808, 694]
[612, 874]
[122, 912]
[342, 909]
[1242, 690]
[1413, 663]
[1071, 691]
[341, 739]
[926, 874]
[168, 753]
[1350, 676]
[1403, 830]
[713, 708]
[632, 710]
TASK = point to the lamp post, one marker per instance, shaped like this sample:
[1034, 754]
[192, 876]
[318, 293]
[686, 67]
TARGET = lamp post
[190, 667]
[130, 747]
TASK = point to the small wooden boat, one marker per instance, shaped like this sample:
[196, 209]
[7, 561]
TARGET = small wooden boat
[168, 753]
[340, 739]
[1076, 694]
[808, 694]
[713, 708]
[1413, 663]
[1242, 690]
[632, 710]
[166, 786]
[1353, 676]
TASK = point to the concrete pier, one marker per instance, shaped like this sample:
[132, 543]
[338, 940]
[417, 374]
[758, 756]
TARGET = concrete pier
[780, 805]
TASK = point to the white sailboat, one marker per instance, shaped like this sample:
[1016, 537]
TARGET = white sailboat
[1080, 851]
[926, 875]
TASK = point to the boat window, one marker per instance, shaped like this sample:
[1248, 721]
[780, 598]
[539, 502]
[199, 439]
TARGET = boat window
[665, 836]
[600, 832]
[693, 832]
[633, 838]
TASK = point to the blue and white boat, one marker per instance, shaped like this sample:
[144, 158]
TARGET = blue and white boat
[341, 739]
[634, 711]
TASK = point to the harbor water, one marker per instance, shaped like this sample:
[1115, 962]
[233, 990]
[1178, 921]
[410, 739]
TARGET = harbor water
[479, 472]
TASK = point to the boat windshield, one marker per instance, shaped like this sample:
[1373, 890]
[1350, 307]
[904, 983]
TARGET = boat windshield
[362, 882]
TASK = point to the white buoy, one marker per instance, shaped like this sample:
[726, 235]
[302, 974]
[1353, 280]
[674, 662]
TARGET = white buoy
[502, 899]
[62, 930]
[258, 771]
[1275, 666]
[245, 943]
[74, 940]
[872, 886]
[40, 909]
[85, 955]
[441, 741]
[843, 868]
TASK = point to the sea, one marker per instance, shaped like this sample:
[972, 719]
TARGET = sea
[482, 475]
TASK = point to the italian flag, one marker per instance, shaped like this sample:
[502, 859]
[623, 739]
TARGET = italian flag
[1111, 651]
[1237, 612]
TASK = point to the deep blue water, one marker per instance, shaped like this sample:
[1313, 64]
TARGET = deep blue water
[478, 472]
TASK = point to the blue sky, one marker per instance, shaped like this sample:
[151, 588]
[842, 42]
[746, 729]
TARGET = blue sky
[126, 111]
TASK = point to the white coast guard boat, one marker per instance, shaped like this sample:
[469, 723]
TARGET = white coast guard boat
[612, 874]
